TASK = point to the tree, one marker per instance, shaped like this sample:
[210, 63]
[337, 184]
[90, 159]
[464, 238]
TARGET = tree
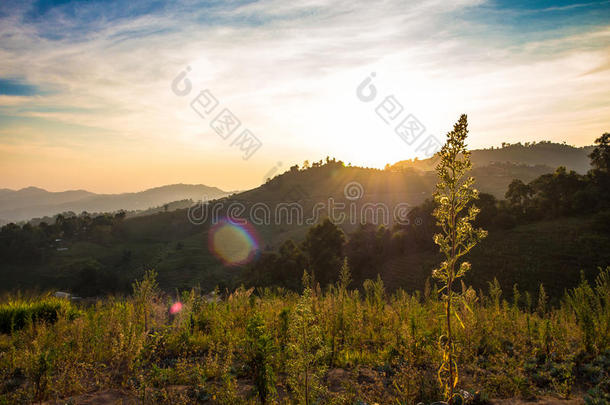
[555, 193]
[323, 247]
[365, 249]
[599, 190]
[519, 195]
[292, 262]
[600, 157]
[264, 270]
[283, 268]
[454, 214]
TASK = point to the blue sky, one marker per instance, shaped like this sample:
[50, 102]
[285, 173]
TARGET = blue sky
[86, 100]
[15, 87]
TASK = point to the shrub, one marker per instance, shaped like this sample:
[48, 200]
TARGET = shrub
[306, 352]
[591, 306]
[260, 353]
[15, 315]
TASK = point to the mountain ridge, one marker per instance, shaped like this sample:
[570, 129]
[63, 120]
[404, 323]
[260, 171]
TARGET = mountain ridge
[545, 153]
[31, 202]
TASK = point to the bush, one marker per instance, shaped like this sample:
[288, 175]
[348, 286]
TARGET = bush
[15, 315]
[260, 358]
[590, 305]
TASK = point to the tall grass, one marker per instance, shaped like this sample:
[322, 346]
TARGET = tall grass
[338, 345]
[15, 314]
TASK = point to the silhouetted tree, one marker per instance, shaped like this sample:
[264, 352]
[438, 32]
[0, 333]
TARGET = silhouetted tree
[600, 157]
[292, 263]
[519, 195]
[323, 247]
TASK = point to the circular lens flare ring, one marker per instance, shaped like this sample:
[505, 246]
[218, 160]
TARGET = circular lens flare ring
[234, 243]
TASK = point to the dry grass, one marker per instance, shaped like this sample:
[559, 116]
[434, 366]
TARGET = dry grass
[377, 348]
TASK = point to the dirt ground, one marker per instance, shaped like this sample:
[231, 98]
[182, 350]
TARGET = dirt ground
[539, 401]
[99, 398]
[112, 397]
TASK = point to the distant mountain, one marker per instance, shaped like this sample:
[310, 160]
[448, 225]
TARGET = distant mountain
[172, 206]
[532, 154]
[32, 202]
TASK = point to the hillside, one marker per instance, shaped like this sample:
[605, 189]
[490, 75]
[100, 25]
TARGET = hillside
[104, 254]
[110, 257]
[493, 168]
[33, 202]
[326, 185]
[531, 154]
[528, 255]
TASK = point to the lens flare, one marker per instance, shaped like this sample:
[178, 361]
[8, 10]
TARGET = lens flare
[233, 243]
[175, 308]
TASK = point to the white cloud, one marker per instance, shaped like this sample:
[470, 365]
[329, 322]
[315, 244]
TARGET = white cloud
[289, 71]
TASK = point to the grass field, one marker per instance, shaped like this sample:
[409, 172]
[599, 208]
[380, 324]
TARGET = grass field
[344, 346]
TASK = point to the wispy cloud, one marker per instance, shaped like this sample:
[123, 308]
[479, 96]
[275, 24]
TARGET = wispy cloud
[289, 71]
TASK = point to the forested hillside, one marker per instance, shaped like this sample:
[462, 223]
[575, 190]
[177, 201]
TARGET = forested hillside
[543, 153]
[541, 228]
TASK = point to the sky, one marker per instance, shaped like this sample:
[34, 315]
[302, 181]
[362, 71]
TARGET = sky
[117, 96]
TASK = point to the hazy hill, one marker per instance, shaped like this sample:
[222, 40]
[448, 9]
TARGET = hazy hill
[543, 153]
[34, 202]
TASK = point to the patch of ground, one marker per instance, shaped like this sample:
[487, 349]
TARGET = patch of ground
[539, 401]
[107, 397]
